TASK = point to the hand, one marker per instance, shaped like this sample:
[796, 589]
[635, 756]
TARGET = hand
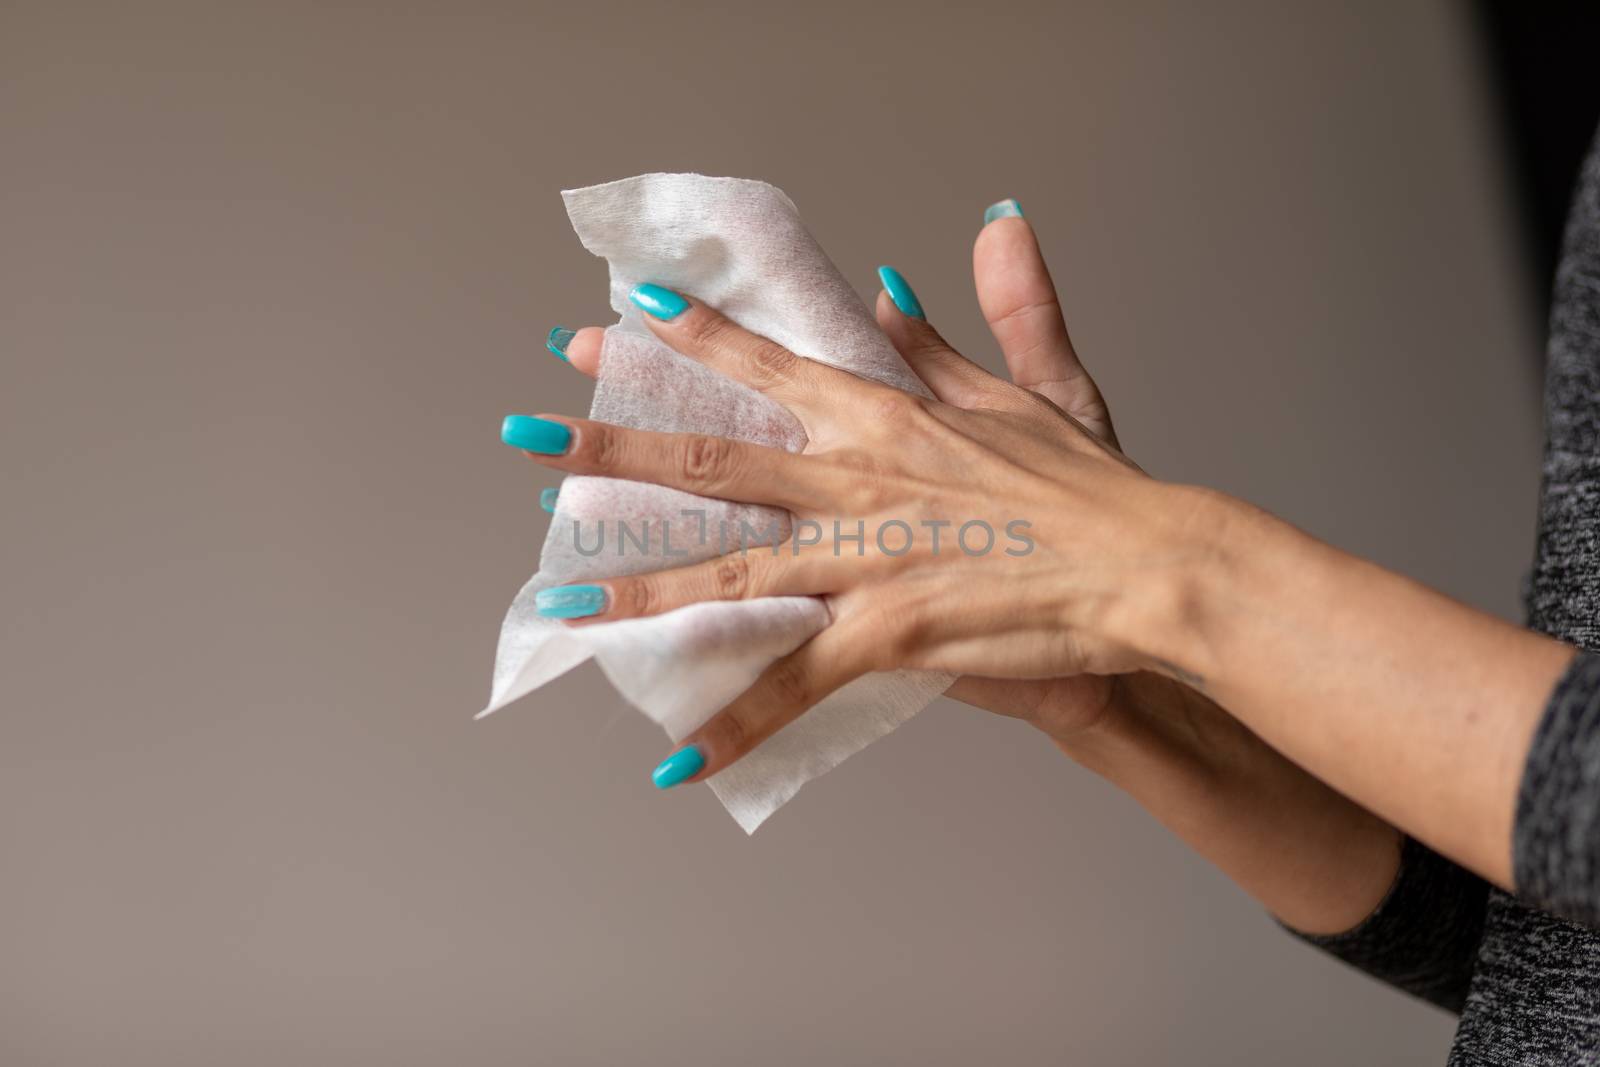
[1397, 698]
[988, 453]
[1019, 301]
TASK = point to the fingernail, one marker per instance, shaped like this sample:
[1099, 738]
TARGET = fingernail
[678, 767]
[900, 292]
[1005, 209]
[535, 435]
[547, 499]
[570, 602]
[656, 300]
[560, 338]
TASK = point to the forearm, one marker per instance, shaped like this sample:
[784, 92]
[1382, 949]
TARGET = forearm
[1417, 707]
[1317, 861]
[1328, 869]
[1343, 879]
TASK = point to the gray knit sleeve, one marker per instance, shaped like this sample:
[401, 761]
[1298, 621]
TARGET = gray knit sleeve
[1423, 937]
[1556, 841]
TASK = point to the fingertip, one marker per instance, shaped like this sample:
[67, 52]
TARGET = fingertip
[583, 350]
[886, 313]
[1002, 209]
[1008, 268]
[665, 313]
[1010, 238]
[900, 327]
[658, 302]
[680, 767]
[905, 298]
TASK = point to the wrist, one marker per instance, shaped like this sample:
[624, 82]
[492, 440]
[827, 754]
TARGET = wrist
[1209, 553]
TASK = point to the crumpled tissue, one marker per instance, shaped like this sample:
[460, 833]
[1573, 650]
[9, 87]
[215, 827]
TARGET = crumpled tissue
[739, 246]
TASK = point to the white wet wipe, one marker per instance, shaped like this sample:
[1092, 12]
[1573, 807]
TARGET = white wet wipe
[739, 246]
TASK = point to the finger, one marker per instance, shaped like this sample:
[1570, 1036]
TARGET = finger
[695, 463]
[581, 348]
[782, 694]
[744, 574]
[1020, 304]
[804, 386]
[952, 377]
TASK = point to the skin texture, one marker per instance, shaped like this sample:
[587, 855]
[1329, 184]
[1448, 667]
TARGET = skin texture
[1145, 610]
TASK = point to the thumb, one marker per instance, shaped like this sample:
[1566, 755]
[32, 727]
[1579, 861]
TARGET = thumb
[1019, 302]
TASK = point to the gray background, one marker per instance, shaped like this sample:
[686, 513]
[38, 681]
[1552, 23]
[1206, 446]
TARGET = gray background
[269, 277]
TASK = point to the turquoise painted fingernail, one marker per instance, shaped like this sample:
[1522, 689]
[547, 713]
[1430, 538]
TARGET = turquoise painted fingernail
[900, 292]
[560, 338]
[1005, 209]
[547, 499]
[535, 435]
[678, 767]
[659, 301]
[570, 602]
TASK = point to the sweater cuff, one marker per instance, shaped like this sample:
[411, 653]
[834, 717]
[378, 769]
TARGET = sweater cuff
[1556, 838]
[1423, 936]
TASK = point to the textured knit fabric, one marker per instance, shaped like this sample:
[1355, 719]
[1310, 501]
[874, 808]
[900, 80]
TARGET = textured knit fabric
[1424, 936]
[1524, 970]
[1558, 809]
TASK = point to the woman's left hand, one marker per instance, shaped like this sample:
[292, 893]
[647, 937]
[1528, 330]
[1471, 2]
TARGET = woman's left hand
[998, 536]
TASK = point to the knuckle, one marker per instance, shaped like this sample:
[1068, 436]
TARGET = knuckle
[639, 597]
[893, 410]
[1027, 311]
[597, 447]
[706, 461]
[706, 329]
[731, 577]
[927, 344]
[600, 446]
[732, 732]
[789, 684]
[770, 362]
